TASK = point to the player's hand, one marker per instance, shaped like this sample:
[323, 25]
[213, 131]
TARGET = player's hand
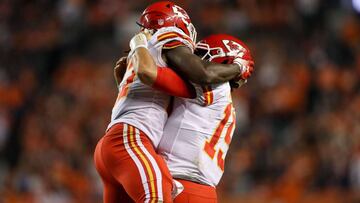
[148, 33]
[121, 63]
[120, 69]
[246, 69]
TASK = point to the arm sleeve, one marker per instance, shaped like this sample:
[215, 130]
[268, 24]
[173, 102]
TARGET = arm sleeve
[169, 82]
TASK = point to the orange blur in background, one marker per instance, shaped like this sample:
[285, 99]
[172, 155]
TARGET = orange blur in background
[298, 117]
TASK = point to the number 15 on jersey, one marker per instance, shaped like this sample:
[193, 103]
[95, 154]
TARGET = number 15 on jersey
[221, 137]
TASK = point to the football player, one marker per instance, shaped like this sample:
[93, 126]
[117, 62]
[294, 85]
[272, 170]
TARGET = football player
[198, 132]
[125, 157]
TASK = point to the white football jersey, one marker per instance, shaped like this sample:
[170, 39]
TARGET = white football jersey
[140, 105]
[198, 133]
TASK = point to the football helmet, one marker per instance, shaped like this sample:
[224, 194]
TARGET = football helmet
[166, 14]
[222, 48]
[226, 49]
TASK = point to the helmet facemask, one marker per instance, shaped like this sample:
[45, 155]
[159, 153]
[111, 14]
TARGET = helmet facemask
[206, 53]
[191, 29]
[215, 54]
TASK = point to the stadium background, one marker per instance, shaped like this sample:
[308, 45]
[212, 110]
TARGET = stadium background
[298, 118]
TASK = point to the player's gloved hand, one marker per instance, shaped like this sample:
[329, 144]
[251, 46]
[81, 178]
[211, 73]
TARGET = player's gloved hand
[246, 69]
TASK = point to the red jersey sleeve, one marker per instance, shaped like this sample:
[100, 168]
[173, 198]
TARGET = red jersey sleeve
[169, 82]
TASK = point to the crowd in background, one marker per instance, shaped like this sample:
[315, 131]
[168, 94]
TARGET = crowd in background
[298, 118]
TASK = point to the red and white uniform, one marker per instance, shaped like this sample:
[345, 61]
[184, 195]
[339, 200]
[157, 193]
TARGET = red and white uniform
[198, 133]
[125, 157]
[140, 105]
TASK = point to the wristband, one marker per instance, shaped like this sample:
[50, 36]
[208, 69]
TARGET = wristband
[139, 40]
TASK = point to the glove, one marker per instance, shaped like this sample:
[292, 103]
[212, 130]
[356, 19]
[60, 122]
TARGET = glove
[139, 40]
[246, 69]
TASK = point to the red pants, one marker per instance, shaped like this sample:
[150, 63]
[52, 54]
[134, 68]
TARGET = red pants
[196, 193]
[130, 168]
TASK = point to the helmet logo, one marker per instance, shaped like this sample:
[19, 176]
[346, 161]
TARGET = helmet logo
[234, 47]
[161, 22]
[179, 12]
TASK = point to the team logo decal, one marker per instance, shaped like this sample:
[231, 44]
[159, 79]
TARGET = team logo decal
[234, 47]
[180, 12]
[161, 21]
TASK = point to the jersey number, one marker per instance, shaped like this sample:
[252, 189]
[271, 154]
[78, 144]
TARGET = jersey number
[209, 147]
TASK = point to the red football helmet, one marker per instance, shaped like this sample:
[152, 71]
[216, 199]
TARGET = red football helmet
[166, 14]
[222, 48]
[226, 49]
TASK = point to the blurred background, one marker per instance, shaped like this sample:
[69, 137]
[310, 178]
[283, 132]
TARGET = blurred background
[298, 118]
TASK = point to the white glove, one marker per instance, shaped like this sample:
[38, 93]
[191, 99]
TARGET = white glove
[246, 68]
[241, 63]
[139, 40]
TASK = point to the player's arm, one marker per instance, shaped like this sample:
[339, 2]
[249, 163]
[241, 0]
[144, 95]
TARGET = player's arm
[163, 79]
[144, 65]
[198, 71]
[119, 70]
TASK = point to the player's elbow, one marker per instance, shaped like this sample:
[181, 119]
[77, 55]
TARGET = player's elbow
[146, 68]
[146, 75]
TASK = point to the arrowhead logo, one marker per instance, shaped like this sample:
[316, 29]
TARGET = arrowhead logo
[234, 48]
[180, 12]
